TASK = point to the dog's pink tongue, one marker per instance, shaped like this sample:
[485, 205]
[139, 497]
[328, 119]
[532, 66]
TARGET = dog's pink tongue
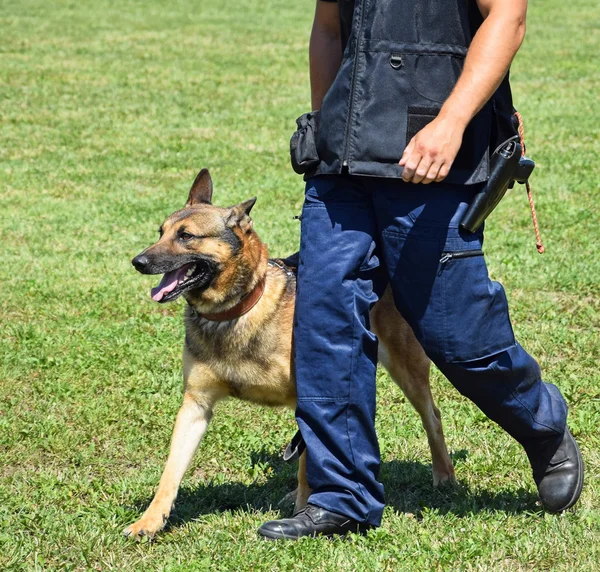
[168, 283]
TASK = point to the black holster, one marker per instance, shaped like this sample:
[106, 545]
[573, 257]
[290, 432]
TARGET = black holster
[506, 166]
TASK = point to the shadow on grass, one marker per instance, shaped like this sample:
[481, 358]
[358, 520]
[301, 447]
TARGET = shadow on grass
[408, 489]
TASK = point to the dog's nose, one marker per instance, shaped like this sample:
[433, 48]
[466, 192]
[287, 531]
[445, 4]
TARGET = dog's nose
[140, 262]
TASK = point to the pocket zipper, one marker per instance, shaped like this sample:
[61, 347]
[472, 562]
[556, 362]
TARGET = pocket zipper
[447, 256]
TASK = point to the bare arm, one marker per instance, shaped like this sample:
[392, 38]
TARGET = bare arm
[325, 50]
[431, 152]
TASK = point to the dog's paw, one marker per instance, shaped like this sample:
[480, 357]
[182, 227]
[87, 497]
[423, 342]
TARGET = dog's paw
[146, 527]
[443, 478]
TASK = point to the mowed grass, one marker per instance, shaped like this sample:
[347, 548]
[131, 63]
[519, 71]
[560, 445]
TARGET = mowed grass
[108, 109]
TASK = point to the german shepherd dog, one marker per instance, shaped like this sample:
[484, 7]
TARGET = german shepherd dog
[238, 335]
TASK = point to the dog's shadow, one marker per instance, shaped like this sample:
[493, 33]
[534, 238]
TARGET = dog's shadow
[408, 489]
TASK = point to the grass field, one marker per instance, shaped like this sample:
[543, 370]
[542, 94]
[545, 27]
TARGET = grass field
[108, 109]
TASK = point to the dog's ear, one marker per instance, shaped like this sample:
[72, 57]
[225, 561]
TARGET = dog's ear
[202, 189]
[240, 214]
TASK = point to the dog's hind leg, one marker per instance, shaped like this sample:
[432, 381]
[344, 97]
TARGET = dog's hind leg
[415, 385]
[190, 426]
[404, 359]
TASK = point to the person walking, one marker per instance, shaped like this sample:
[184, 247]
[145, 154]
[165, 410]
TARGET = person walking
[412, 97]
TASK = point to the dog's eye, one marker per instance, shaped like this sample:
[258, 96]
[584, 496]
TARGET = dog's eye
[185, 236]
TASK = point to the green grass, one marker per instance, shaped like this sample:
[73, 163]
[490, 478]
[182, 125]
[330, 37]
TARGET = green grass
[108, 109]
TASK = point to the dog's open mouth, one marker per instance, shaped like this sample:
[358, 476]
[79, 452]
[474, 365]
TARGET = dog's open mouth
[175, 282]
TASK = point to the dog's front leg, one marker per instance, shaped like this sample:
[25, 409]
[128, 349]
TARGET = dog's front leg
[190, 426]
[303, 491]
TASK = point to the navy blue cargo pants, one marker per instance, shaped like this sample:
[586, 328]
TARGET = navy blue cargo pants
[358, 233]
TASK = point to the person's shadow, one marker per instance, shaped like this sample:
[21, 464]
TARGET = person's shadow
[408, 489]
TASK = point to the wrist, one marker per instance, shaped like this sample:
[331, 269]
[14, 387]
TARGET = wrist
[455, 116]
[452, 123]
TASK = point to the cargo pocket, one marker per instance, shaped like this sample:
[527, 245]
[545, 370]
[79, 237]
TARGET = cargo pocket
[303, 146]
[475, 316]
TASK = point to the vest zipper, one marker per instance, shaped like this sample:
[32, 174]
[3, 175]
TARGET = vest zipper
[447, 256]
[352, 85]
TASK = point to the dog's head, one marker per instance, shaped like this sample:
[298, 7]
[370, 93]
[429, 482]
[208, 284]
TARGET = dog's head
[203, 251]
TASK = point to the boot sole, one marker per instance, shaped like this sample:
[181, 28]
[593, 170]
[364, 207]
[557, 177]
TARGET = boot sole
[272, 535]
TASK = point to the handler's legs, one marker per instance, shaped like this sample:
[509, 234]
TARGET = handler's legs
[335, 353]
[441, 286]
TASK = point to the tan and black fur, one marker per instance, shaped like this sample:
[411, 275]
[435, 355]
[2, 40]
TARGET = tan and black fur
[250, 357]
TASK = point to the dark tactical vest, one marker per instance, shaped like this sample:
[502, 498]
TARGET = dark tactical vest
[401, 60]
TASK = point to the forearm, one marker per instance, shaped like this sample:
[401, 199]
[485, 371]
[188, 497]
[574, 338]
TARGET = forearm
[430, 153]
[325, 53]
[488, 59]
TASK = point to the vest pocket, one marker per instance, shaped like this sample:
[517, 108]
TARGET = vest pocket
[471, 162]
[398, 90]
[419, 117]
[303, 147]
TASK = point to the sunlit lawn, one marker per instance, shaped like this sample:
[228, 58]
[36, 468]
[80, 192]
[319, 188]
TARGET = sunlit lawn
[108, 109]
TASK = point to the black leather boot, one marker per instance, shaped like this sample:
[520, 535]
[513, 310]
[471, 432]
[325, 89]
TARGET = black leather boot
[557, 471]
[311, 521]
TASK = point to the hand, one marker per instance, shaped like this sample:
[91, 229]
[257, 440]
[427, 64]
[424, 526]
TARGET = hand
[431, 152]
